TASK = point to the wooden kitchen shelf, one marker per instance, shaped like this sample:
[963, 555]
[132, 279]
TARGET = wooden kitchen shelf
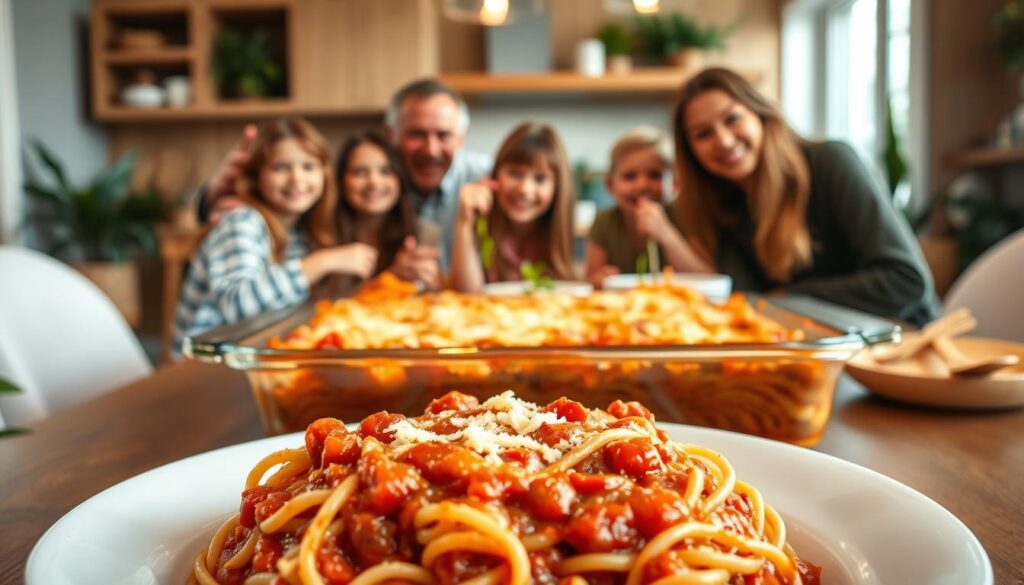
[179, 37]
[664, 80]
[231, 110]
[986, 157]
[161, 55]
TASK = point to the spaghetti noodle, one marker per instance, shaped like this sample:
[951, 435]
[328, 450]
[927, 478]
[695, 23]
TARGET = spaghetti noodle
[502, 492]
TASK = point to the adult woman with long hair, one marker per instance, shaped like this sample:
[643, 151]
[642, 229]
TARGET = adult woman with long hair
[780, 213]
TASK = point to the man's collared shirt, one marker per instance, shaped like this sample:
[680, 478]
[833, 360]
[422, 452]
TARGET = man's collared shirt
[442, 206]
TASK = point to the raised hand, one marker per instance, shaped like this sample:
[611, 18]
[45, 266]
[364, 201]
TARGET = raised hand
[357, 258]
[651, 221]
[221, 185]
[417, 263]
[476, 199]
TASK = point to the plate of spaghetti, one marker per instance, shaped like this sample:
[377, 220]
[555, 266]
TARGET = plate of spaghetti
[504, 491]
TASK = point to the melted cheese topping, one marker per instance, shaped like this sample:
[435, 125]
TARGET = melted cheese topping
[658, 314]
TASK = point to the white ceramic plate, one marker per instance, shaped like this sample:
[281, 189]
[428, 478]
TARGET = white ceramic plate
[861, 527]
[716, 287]
[519, 287]
[925, 380]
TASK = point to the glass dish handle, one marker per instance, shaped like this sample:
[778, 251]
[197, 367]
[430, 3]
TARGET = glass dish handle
[872, 329]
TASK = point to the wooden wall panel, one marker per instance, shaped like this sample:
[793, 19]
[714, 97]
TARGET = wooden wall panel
[177, 157]
[463, 47]
[970, 88]
[358, 52]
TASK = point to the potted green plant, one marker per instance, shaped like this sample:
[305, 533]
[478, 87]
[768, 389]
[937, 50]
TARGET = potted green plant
[244, 63]
[8, 387]
[98, 228]
[678, 39]
[1009, 25]
[617, 46]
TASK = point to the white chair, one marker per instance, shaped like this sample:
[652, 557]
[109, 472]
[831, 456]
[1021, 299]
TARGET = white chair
[62, 341]
[992, 288]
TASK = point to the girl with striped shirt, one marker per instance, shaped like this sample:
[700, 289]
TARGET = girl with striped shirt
[271, 251]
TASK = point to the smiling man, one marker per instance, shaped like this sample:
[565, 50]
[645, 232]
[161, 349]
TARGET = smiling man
[427, 122]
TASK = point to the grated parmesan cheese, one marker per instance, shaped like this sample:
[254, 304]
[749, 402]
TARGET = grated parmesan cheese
[504, 422]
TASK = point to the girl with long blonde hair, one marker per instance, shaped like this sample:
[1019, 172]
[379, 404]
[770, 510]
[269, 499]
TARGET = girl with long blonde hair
[779, 213]
[527, 207]
[269, 252]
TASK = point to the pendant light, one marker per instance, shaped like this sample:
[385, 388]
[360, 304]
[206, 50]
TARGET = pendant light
[627, 6]
[492, 12]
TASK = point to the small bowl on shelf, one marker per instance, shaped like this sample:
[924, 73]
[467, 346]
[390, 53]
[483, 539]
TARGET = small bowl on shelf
[143, 95]
[715, 287]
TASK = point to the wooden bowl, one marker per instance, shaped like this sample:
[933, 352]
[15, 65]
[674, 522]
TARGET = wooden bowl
[925, 379]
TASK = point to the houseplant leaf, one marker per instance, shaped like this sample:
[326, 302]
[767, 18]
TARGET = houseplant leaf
[8, 387]
[98, 221]
[615, 39]
[140, 236]
[51, 197]
[1009, 26]
[54, 165]
[244, 63]
[113, 183]
[59, 248]
[895, 164]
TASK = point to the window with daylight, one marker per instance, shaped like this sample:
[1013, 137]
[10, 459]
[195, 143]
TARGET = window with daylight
[844, 64]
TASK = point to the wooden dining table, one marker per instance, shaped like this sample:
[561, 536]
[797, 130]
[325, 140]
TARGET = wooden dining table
[972, 463]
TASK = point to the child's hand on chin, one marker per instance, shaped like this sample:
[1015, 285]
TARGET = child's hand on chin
[651, 221]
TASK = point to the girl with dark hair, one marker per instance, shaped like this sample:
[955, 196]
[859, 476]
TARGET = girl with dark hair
[376, 209]
[779, 213]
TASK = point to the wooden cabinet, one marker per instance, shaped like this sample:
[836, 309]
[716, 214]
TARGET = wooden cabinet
[986, 157]
[336, 56]
[131, 40]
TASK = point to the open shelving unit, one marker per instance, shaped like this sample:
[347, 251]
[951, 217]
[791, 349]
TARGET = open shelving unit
[179, 39]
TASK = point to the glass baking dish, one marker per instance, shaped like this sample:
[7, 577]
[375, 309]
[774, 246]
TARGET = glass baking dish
[782, 391]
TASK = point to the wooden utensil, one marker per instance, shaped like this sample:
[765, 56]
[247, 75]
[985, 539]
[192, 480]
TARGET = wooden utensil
[961, 365]
[952, 324]
[653, 257]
